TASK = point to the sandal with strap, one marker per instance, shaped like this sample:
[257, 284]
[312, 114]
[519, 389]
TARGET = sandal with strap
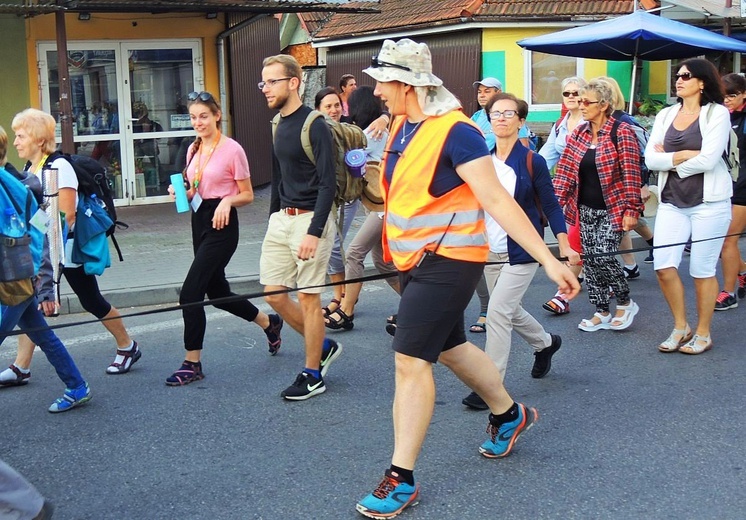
[343, 323]
[557, 305]
[625, 320]
[697, 345]
[481, 324]
[326, 311]
[676, 339]
[20, 377]
[188, 373]
[128, 358]
[589, 326]
[273, 332]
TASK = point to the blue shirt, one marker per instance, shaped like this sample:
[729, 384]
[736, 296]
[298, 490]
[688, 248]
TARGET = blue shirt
[463, 144]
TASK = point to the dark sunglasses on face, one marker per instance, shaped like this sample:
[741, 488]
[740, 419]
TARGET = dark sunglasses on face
[376, 63]
[587, 102]
[202, 96]
[686, 76]
[568, 93]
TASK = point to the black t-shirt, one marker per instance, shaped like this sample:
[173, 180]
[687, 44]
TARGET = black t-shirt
[296, 182]
[589, 187]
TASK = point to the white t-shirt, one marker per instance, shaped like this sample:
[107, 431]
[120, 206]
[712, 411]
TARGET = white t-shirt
[66, 178]
[496, 235]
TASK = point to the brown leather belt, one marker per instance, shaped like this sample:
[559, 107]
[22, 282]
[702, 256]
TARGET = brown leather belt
[295, 211]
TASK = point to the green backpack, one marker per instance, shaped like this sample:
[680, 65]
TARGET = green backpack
[346, 137]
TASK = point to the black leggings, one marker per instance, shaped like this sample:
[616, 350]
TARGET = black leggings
[213, 250]
[86, 288]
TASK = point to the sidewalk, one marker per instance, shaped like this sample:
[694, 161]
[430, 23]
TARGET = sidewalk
[157, 250]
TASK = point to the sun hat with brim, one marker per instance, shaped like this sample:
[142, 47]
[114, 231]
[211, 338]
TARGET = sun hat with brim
[410, 62]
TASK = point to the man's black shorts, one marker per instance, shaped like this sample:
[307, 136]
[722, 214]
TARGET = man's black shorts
[431, 311]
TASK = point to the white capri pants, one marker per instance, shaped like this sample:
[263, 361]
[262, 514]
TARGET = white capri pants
[675, 225]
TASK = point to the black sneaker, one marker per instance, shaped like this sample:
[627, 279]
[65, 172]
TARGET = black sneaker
[725, 301]
[543, 358]
[391, 329]
[742, 286]
[304, 386]
[329, 354]
[631, 273]
[649, 259]
[474, 402]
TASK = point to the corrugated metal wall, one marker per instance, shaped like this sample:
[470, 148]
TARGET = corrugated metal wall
[457, 59]
[251, 116]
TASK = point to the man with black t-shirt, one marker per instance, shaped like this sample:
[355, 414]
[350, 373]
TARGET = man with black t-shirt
[300, 234]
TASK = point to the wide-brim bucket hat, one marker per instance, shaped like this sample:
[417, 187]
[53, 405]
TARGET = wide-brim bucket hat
[410, 62]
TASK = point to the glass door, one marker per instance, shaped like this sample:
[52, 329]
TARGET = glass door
[129, 109]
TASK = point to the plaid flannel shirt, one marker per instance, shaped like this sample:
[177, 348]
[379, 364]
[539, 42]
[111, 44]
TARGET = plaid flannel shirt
[618, 169]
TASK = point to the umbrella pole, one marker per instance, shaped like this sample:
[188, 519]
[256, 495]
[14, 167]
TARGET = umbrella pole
[631, 110]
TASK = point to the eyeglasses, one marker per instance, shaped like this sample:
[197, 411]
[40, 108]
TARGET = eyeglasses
[376, 63]
[587, 102]
[568, 93]
[507, 114]
[686, 76]
[733, 96]
[270, 83]
[202, 96]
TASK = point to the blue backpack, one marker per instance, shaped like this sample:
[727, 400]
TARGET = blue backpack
[14, 194]
[90, 247]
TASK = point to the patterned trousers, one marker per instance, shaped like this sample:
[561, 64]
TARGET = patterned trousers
[601, 273]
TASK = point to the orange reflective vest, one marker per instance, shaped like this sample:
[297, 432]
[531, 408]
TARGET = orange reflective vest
[415, 222]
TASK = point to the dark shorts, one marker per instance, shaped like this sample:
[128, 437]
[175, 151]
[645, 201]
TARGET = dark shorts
[431, 311]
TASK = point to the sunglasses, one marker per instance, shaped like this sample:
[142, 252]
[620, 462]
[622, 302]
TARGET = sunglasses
[568, 93]
[270, 82]
[202, 96]
[587, 103]
[507, 114]
[376, 63]
[686, 76]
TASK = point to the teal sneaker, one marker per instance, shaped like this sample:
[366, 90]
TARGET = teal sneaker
[503, 438]
[389, 499]
[71, 399]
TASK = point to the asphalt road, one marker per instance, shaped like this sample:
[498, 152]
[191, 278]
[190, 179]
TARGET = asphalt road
[624, 431]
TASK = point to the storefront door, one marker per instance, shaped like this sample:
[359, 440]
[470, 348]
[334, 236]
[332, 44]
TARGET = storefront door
[129, 109]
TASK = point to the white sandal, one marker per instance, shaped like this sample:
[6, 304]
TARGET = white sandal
[697, 345]
[626, 319]
[677, 339]
[588, 325]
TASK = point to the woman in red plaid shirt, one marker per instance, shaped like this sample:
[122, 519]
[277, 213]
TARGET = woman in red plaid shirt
[598, 183]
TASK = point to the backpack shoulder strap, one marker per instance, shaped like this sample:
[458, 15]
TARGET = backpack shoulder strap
[305, 134]
[530, 164]
[275, 122]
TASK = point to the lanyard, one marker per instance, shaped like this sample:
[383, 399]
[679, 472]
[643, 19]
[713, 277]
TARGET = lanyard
[40, 166]
[200, 167]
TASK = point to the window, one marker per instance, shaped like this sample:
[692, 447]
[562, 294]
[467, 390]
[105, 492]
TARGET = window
[546, 74]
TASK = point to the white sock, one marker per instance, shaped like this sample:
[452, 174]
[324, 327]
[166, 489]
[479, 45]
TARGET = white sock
[119, 359]
[9, 375]
[630, 267]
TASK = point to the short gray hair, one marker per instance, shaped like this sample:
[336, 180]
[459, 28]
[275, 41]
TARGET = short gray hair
[580, 82]
[603, 91]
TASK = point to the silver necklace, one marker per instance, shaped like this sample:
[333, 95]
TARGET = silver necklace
[405, 134]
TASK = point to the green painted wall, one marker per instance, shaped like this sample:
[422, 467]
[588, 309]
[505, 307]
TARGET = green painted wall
[493, 65]
[14, 81]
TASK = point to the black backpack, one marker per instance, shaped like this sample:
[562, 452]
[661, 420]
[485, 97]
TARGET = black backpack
[93, 180]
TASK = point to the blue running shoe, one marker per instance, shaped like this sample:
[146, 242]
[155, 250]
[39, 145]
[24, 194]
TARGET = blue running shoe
[71, 399]
[503, 438]
[389, 499]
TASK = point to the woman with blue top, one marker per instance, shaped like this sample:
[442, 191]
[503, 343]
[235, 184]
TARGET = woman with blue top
[551, 152]
[510, 268]
[686, 146]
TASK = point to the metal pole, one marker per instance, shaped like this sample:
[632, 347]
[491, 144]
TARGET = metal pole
[727, 20]
[66, 108]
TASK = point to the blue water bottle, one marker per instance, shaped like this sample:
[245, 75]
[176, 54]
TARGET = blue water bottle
[182, 203]
[13, 226]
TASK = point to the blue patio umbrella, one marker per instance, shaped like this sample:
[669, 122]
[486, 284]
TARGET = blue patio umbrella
[636, 36]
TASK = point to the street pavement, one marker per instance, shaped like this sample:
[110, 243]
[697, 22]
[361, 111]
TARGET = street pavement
[625, 432]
